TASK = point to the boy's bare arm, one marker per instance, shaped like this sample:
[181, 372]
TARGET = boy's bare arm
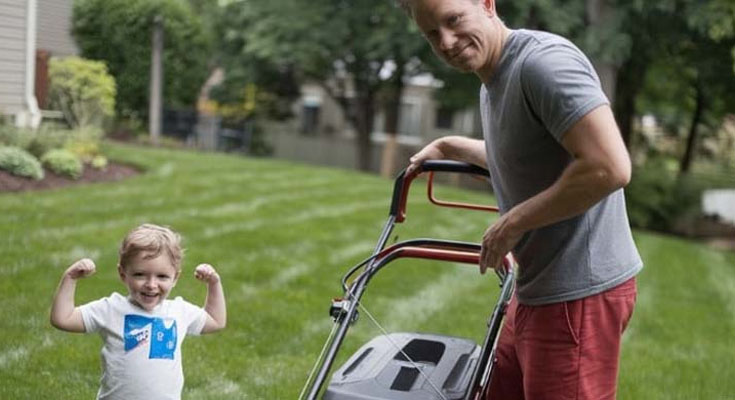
[64, 315]
[215, 303]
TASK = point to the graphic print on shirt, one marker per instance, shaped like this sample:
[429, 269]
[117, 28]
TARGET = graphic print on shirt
[160, 333]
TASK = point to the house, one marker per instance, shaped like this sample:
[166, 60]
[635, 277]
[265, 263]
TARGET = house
[421, 117]
[321, 133]
[31, 31]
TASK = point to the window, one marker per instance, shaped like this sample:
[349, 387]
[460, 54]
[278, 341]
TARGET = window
[444, 118]
[310, 119]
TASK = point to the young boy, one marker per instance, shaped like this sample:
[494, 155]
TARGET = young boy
[143, 332]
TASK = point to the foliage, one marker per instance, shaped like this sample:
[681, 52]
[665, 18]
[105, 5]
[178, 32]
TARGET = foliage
[46, 139]
[20, 162]
[85, 143]
[119, 32]
[99, 162]
[657, 197]
[63, 162]
[362, 44]
[83, 90]
[12, 136]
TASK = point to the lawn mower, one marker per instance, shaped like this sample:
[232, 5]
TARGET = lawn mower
[410, 366]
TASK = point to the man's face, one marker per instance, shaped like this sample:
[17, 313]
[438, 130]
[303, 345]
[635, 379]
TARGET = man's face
[459, 31]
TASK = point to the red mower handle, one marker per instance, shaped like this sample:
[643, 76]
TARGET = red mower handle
[442, 252]
[403, 183]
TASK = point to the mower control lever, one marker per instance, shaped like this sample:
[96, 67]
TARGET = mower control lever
[403, 183]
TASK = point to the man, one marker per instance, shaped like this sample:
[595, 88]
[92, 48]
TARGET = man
[558, 166]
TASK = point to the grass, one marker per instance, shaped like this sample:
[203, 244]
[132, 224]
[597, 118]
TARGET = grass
[281, 235]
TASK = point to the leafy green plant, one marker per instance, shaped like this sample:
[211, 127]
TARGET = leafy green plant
[83, 90]
[45, 139]
[99, 162]
[85, 143]
[63, 162]
[20, 162]
[13, 136]
[657, 197]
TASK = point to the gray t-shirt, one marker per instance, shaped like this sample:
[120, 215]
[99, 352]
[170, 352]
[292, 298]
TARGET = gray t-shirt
[541, 86]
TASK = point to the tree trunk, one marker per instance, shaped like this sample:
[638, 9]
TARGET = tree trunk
[686, 160]
[365, 114]
[628, 85]
[392, 115]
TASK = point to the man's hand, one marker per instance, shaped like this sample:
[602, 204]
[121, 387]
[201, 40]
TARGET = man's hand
[206, 273]
[498, 240]
[431, 151]
[81, 269]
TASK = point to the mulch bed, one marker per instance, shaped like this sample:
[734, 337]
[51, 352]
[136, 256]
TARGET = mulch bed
[113, 172]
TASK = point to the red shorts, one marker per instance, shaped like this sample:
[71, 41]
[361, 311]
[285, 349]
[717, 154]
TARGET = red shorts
[567, 350]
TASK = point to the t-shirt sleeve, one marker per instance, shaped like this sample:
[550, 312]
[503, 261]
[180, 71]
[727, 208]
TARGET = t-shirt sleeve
[561, 86]
[95, 313]
[195, 317]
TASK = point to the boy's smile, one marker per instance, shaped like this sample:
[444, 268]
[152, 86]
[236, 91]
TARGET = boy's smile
[149, 280]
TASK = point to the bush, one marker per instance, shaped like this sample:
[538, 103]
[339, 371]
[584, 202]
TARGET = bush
[20, 162]
[657, 197]
[14, 137]
[63, 162]
[83, 90]
[85, 143]
[99, 162]
[46, 139]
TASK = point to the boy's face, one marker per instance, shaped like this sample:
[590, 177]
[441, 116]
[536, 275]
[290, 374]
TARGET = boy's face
[149, 281]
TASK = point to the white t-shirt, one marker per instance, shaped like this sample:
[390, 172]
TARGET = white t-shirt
[141, 356]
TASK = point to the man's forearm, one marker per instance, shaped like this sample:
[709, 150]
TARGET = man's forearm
[580, 187]
[462, 148]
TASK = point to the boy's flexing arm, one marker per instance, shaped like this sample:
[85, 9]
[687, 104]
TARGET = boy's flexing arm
[215, 303]
[64, 315]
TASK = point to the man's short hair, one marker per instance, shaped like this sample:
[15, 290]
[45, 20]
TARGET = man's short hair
[150, 241]
[405, 5]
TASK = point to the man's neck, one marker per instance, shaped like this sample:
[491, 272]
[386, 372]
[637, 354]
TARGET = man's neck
[486, 72]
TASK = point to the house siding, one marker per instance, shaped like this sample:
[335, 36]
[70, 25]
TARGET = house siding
[12, 55]
[54, 28]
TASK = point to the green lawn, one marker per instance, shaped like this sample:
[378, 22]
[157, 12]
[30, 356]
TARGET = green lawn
[281, 235]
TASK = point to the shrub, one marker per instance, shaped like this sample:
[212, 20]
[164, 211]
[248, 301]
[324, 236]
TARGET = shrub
[14, 137]
[99, 162]
[20, 162]
[85, 143]
[83, 90]
[46, 139]
[63, 162]
[657, 197]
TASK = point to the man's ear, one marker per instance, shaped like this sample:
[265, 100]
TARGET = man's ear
[121, 272]
[489, 6]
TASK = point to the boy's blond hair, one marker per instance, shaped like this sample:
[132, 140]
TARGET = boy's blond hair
[150, 241]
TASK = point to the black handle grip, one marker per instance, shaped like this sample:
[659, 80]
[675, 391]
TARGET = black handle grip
[453, 166]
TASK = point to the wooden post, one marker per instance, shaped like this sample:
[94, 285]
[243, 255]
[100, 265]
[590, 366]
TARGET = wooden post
[155, 108]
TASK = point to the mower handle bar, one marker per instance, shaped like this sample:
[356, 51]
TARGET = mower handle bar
[403, 183]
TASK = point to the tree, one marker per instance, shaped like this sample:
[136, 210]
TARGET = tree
[354, 49]
[118, 32]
